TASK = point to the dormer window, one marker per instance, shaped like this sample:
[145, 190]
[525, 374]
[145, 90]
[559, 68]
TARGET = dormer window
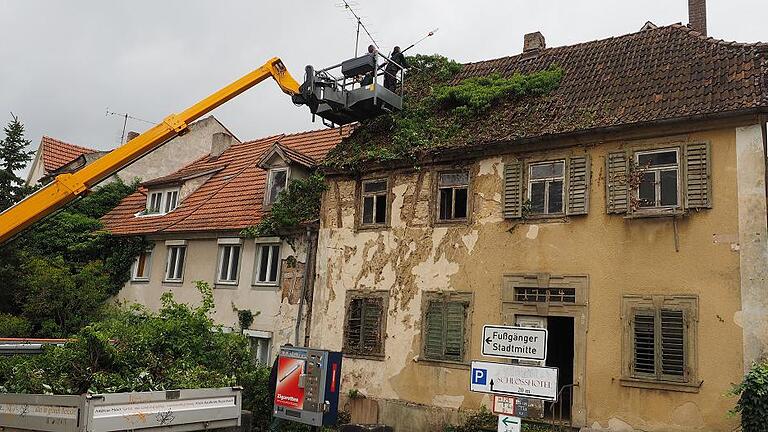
[278, 179]
[162, 201]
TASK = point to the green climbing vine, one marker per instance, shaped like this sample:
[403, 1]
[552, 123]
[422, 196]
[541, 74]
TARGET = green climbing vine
[298, 203]
[436, 112]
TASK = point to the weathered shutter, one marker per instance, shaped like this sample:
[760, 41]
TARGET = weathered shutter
[354, 330]
[644, 346]
[617, 193]
[454, 331]
[578, 185]
[513, 190]
[698, 188]
[371, 339]
[433, 331]
[672, 343]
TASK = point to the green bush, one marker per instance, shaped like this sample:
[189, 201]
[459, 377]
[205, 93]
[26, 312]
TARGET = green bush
[12, 326]
[481, 420]
[753, 399]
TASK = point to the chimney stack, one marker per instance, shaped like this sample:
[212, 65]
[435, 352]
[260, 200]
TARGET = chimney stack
[220, 141]
[131, 135]
[533, 42]
[697, 15]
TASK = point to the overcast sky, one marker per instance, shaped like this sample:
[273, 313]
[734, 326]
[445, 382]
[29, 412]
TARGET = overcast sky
[64, 63]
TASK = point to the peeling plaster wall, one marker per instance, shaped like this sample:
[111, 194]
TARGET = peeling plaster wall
[275, 309]
[620, 256]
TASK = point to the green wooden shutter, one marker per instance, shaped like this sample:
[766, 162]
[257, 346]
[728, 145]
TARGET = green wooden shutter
[454, 331]
[578, 185]
[698, 187]
[371, 329]
[644, 342]
[513, 190]
[433, 331]
[672, 344]
[617, 193]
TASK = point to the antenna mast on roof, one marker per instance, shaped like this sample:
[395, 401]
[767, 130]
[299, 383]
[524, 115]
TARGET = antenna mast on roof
[360, 25]
[125, 117]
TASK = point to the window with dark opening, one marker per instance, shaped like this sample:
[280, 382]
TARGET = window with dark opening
[278, 179]
[453, 196]
[364, 332]
[267, 264]
[174, 269]
[545, 187]
[659, 179]
[229, 263]
[374, 196]
[660, 340]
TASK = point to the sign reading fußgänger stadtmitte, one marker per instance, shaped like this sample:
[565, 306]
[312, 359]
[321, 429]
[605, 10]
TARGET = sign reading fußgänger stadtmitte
[524, 343]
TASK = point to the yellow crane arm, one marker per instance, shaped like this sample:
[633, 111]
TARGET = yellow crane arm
[67, 187]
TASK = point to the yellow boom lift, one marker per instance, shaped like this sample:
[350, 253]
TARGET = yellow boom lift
[335, 99]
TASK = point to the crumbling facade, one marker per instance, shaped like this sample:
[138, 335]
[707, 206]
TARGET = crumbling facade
[636, 234]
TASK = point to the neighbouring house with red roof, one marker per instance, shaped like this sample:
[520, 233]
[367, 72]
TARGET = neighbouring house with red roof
[624, 211]
[193, 218]
[54, 157]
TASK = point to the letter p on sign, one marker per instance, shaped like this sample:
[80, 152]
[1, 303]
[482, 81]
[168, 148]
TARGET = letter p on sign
[479, 376]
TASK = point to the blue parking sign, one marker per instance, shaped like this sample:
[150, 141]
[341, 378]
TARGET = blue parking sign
[479, 376]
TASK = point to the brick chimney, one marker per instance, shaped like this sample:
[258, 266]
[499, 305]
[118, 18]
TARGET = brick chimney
[220, 141]
[533, 42]
[131, 135]
[697, 15]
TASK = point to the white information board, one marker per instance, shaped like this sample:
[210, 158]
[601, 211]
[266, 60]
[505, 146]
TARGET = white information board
[509, 424]
[534, 382]
[523, 343]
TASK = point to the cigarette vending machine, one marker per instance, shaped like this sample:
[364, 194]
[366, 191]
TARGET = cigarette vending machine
[308, 384]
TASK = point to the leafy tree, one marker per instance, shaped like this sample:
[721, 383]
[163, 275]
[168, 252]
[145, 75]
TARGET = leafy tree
[14, 326]
[13, 157]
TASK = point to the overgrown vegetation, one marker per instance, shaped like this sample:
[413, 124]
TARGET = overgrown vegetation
[297, 204]
[436, 113]
[753, 399]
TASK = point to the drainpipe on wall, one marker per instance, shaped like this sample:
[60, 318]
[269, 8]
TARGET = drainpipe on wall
[308, 270]
[764, 128]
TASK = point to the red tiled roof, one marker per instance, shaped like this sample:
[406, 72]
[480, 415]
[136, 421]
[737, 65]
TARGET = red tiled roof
[666, 73]
[56, 153]
[231, 199]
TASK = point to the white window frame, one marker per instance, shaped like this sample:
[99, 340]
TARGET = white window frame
[453, 189]
[260, 244]
[147, 266]
[260, 337]
[164, 201]
[268, 200]
[547, 181]
[228, 244]
[657, 174]
[375, 196]
[169, 246]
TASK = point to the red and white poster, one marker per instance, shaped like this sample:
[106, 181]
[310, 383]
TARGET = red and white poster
[287, 392]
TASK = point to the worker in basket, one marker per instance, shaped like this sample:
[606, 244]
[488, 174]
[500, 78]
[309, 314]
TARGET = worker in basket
[368, 78]
[397, 61]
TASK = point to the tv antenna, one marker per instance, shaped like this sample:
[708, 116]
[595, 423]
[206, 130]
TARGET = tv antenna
[360, 25]
[125, 117]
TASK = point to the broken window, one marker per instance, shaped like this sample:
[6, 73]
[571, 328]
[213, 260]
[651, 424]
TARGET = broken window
[261, 344]
[174, 269]
[545, 187]
[142, 266]
[267, 264]
[374, 197]
[229, 263]
[659, 179]
[365, 325]
[453, 197]
[445, 328]
[278, 179]
[661, 338]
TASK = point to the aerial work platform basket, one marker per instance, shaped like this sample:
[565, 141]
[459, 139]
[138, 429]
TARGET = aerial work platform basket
[353, 90]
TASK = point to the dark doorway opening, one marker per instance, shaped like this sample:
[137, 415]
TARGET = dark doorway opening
[560, 355]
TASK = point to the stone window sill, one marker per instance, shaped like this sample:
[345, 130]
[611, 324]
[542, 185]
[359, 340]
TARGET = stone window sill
[662, 385]
[443, 363]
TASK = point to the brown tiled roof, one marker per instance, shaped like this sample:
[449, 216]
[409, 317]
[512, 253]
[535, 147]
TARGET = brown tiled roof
[56, 153]
[666, 73]
[231, 199]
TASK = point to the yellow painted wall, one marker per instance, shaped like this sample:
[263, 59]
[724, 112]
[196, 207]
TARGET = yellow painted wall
[620, 257]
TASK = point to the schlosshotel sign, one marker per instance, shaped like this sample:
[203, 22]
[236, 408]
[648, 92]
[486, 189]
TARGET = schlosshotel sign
[535, 382]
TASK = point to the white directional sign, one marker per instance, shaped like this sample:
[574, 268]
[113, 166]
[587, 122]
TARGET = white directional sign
[524, 343]
[534, 382]
[509, 424]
